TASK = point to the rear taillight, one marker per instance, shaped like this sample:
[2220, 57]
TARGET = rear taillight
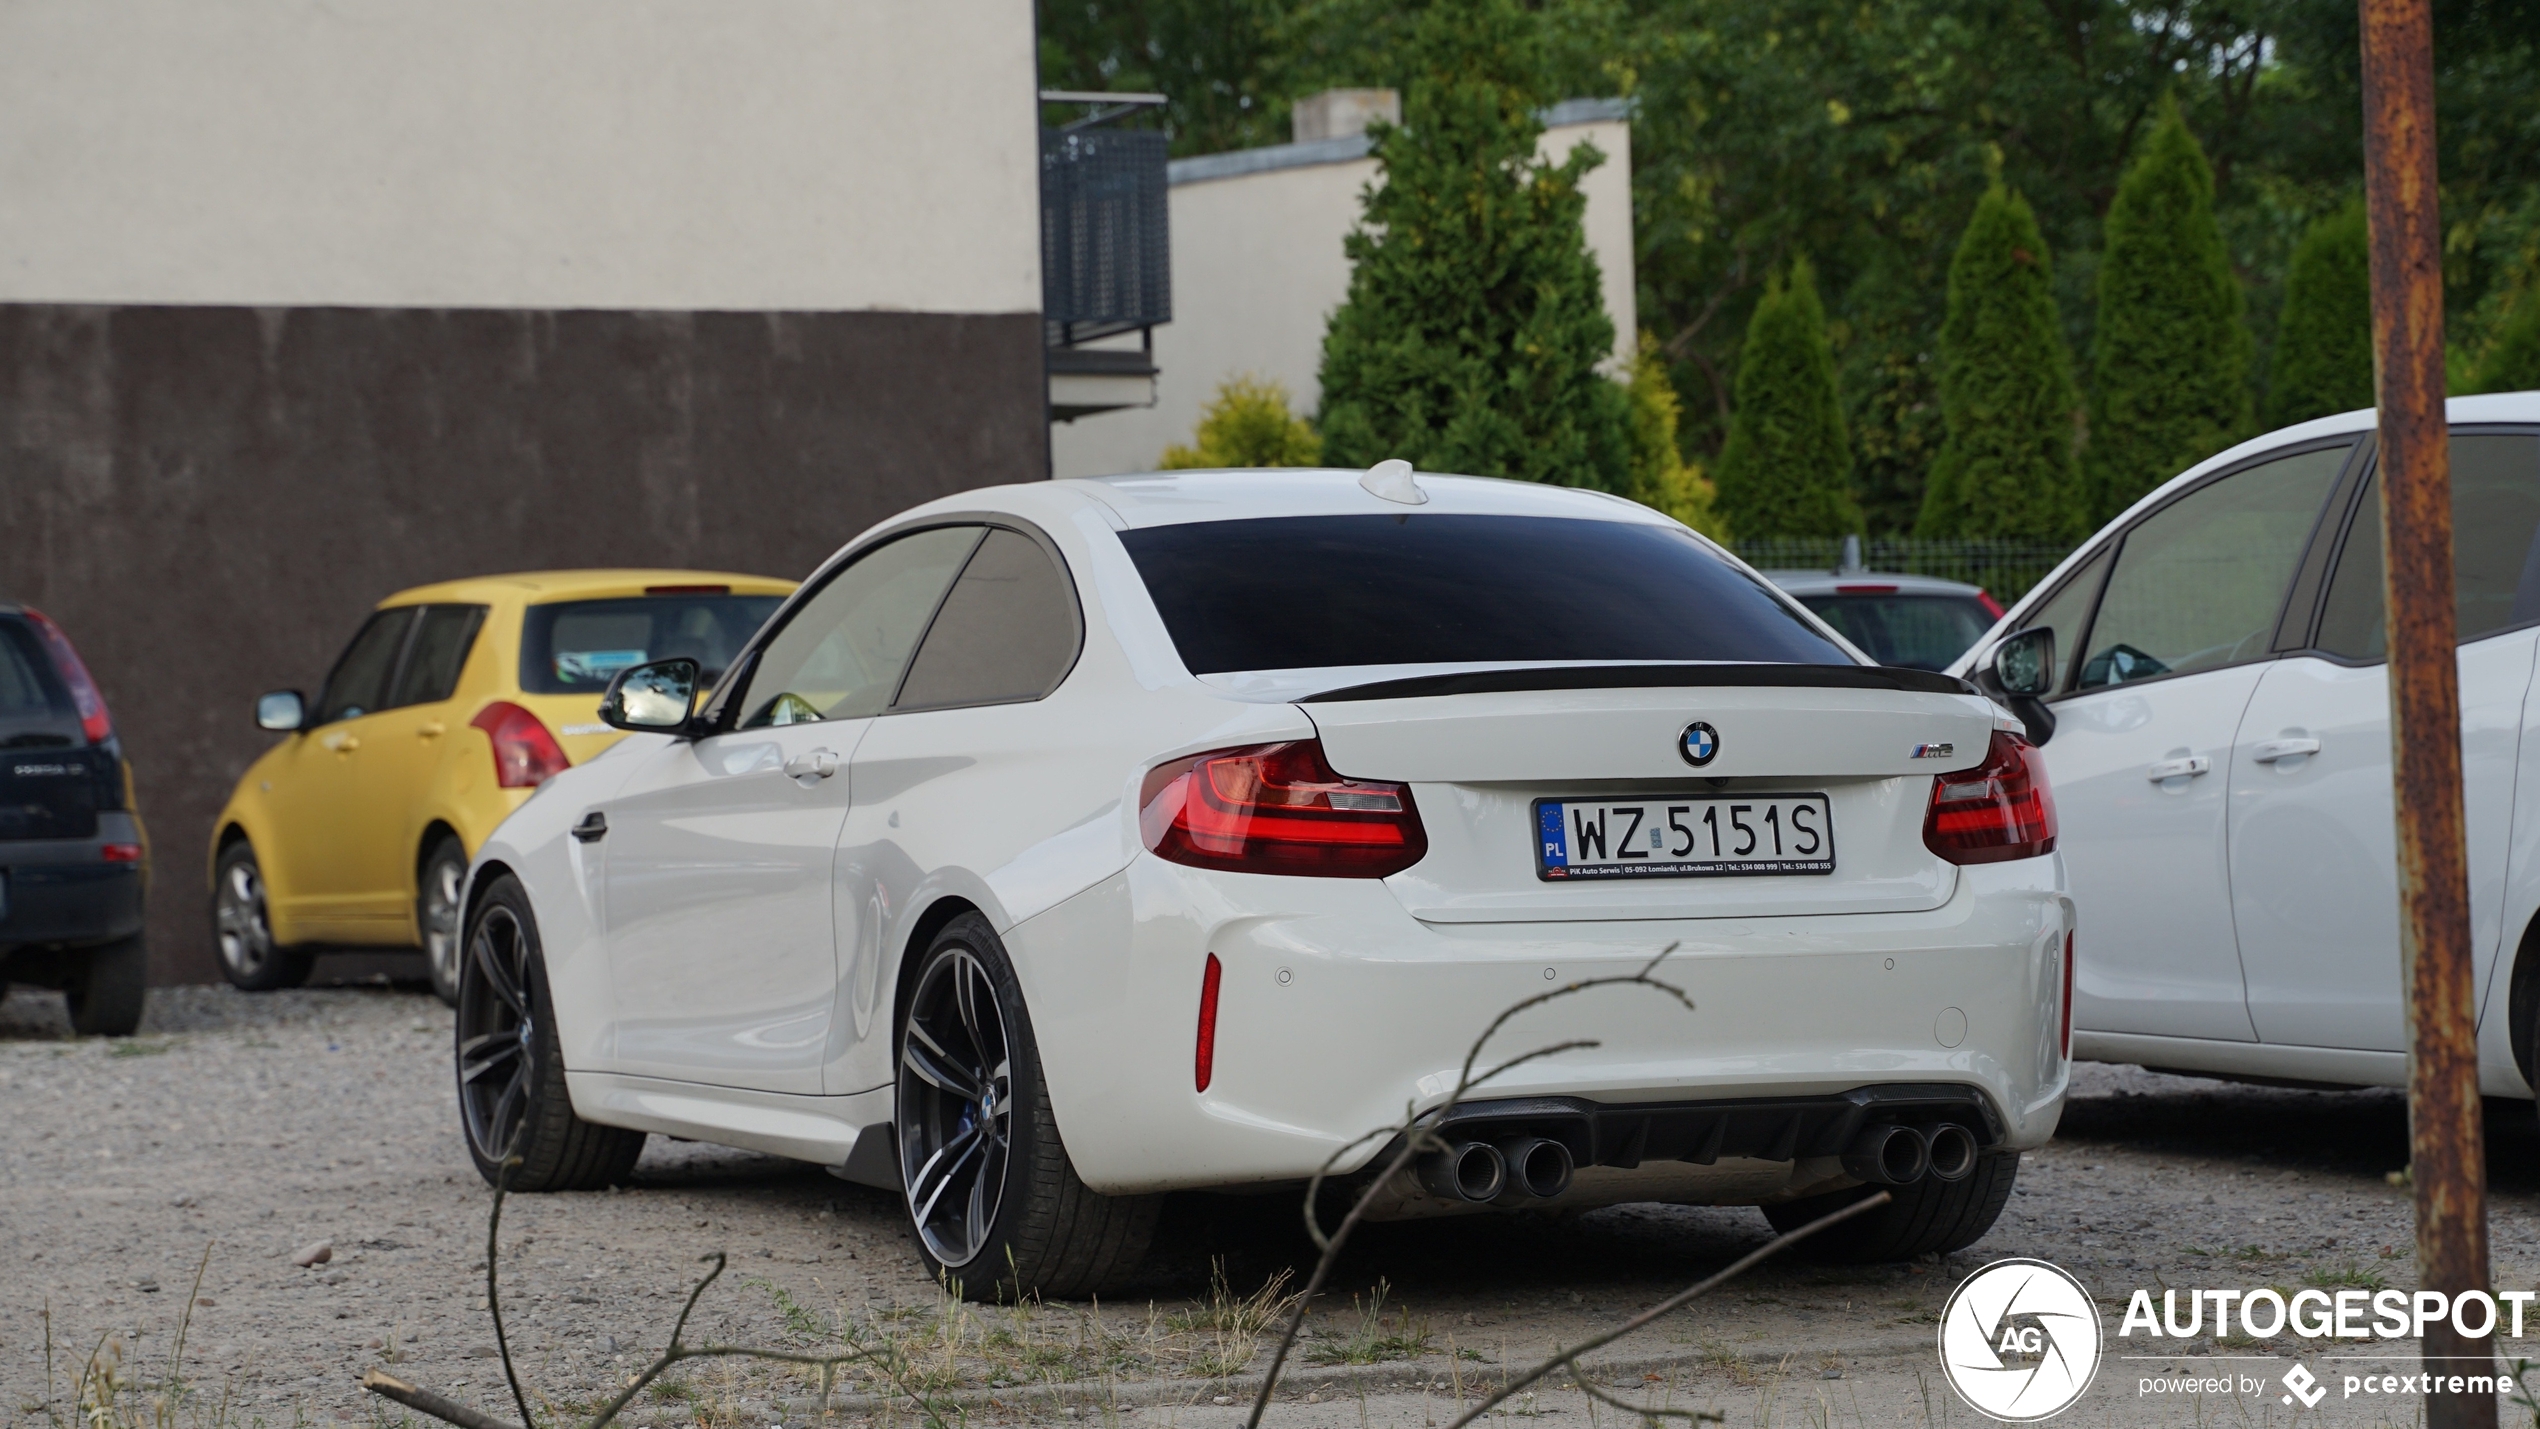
[2068, 994]
[1991, 606]
[1204, 1067]
[93, 721]
[120, 853]
[1997, 811]
[1278, 808]
[525, 754]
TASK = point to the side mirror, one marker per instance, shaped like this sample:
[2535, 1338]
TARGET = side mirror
[2023, 670]
[657, 698]
[282, 711]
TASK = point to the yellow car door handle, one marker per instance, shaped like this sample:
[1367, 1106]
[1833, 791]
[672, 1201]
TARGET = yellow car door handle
[431, 729]
[343, 743]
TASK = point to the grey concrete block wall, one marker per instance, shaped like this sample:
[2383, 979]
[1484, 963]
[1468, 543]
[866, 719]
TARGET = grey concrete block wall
[208, 498]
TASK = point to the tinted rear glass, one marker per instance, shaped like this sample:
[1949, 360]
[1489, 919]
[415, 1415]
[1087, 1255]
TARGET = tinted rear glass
[1920, 632]
[576, 646]
[34, 707]
[1310, 592]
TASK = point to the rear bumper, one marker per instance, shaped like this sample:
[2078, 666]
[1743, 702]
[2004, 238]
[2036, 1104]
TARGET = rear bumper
[62, 891]
[1338, 1011]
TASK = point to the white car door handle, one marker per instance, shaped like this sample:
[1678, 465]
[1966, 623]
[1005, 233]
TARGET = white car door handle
[2173, 768]
[2269, 751]
[813, 764]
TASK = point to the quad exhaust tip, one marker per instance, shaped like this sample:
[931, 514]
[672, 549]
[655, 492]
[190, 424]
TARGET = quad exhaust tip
[1466, 1171]
[1538, 1168]
[1889, 1155]
[1953, 1151]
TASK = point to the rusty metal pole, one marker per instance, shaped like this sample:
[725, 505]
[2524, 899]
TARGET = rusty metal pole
[2447, 1151]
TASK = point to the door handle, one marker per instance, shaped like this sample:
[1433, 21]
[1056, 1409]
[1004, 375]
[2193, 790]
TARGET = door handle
[2271, 750]
[342, 743]
[2172, 768]
[813, 764]
[593, 828]
[431, 729]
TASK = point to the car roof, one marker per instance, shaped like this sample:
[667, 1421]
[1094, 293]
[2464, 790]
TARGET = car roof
[1169, 498]
[1868, 583]
[534, 587]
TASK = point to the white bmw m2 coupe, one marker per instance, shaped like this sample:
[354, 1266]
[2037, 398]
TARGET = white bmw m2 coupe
[1061, 845]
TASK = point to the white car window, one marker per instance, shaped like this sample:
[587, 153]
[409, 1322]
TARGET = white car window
[841, 654]
[2064, 613]
[2495, 549]
[2200, 582]
[1008, 631]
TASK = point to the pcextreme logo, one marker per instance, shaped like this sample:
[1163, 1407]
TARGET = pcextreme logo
[2020, 1340]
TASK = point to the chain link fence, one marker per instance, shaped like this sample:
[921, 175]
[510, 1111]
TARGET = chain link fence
[2005, 568]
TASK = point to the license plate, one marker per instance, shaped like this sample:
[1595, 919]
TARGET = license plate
[1705, 836]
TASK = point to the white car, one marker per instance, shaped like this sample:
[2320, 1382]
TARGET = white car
[1061, 845]
[2220, 756]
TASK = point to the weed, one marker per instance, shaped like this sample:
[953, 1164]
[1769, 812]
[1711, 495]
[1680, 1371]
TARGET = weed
[2349, 1276]
[1372, 1341]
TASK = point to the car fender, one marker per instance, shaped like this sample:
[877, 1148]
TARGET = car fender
[562, 876]
[252, 814]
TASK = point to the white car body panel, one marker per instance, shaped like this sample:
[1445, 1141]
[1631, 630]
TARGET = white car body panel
[2305, 852]
[1901, 968]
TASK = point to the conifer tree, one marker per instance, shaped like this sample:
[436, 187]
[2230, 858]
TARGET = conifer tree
[1661, 478]
[2006, 467]
[1786, 469]
[2170, 362]
[2511, 362]
[2323, 345]
[1475, 320]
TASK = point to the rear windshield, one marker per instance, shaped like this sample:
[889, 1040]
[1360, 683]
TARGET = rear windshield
[576, 646]
[1309, 592]
[1920, 632]
[34, 707]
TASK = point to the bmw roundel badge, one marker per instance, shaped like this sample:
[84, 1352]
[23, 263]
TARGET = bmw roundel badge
[1698, 743]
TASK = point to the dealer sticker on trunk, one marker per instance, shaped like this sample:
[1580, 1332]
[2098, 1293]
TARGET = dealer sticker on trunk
[1684, 837]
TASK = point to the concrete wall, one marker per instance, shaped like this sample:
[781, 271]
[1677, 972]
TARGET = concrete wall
[301, 303]
[1258, 269]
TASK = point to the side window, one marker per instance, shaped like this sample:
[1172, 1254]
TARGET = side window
[2199, 583]
[2495, 549]
[435, 655]
[841, 654]
[359, 684]
[2065, 611]
[1007, 632]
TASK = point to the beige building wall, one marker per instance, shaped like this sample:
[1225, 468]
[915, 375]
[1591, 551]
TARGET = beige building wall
[1258, 269]
[663, 154]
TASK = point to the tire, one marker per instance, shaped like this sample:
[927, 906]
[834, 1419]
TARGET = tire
[510, 1063]
[1930, 1216]
[243, 931]
[108, 988]
[437, 893]
[996, 1215]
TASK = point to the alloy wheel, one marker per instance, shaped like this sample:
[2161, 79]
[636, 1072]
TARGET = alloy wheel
[497, 1034]
[246, 938]
[955, 1114]
[441, 919]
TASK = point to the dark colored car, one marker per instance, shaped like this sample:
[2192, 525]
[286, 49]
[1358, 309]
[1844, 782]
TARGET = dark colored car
[73, 859]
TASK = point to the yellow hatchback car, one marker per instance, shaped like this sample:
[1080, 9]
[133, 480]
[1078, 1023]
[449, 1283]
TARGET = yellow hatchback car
[449, 708]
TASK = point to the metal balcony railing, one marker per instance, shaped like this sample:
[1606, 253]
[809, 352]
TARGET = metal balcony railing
[1105, 240]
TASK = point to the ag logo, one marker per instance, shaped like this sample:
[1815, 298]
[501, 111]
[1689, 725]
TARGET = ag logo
[1698, 743]
[2020, 1340]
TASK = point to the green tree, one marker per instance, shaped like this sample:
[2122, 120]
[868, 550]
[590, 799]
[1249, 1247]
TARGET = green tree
[1475, 321]
[2170, 372]
[1787, 468]
[2006, 467]
[2511, 362]
[2323, 341]
[1661, 477]
[1248, 424]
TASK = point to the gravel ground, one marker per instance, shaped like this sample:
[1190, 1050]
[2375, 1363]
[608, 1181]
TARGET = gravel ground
[239, 1129]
